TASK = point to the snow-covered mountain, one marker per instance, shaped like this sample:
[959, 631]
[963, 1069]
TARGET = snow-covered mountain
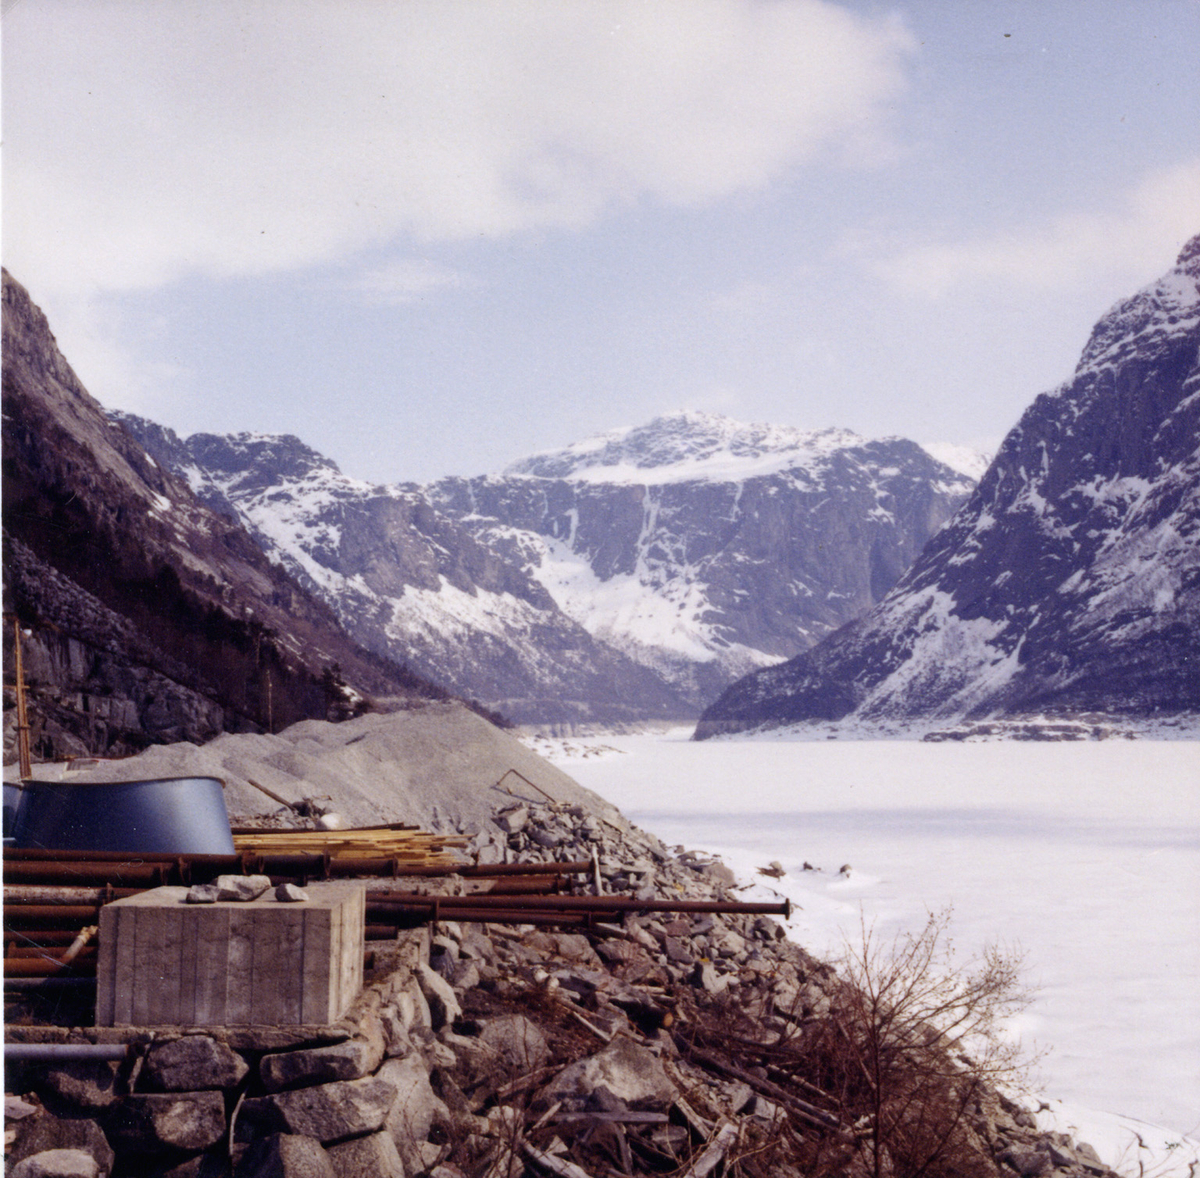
[630, 576]
[1071, 578]
[702, 547]
[410, 582]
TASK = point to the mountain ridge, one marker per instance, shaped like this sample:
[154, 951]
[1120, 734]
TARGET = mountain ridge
[595, 595]
[1071, 577]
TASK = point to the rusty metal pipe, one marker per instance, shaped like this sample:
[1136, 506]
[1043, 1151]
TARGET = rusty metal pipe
[84, 874]
[45, 937]
[20, 952]
[51, 915]
[409, 918]
[523, 885]
[47, 985]
[33, 967]
[567, 867]
[595, 904]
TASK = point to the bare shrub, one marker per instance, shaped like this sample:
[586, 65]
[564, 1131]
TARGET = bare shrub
[912, 1044]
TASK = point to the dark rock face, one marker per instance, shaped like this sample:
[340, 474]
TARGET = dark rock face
[151, 617]
[1071, 578]
[617, 580]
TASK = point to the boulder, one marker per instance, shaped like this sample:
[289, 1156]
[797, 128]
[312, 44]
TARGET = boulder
[351, 1060]
[375, 1156]
[1028, 1162]
[88, 1085]
[57, 1163]
[328, 1112]
[511, 821]
[413, 1110]
[285, 1155]
[519, 1044]
[154, 1122]
[47, 1132]
[443, 1005]
[628, 1070]
[193, 1063]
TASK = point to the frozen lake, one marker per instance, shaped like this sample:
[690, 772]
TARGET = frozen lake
[1086, 855]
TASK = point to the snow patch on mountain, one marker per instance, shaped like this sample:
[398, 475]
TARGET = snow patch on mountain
[964, 459]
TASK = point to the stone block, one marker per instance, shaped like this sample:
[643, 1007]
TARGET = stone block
[328, 1112]
[47, 1133]
[286, 1155]
[159, 1122]
[193, 1063]
[163, 962]
[57, 1163]
[351, 1060]
[367, 1157]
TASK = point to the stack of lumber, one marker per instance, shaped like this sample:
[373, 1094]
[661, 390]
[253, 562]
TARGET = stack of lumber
[415, 847]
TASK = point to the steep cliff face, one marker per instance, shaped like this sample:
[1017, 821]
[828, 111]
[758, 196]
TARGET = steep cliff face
[150, 617]
[1070, 579]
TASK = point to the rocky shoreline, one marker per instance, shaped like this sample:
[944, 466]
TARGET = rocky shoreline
[660, 1045]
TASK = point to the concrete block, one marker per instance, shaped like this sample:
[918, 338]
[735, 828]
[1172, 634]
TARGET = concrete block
[233, 963]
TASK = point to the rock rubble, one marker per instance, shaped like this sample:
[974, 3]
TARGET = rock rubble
[663, 1044]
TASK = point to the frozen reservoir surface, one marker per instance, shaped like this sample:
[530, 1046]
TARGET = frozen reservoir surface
[1085, 855]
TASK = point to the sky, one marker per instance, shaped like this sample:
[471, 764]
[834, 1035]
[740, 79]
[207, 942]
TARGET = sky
[433, 237]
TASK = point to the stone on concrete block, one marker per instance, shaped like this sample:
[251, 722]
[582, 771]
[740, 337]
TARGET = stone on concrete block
[242, 888]
[328, 1112]
[286, 1155]
[207, 893]
[153, 1122]
[192, 1063]
[57, 1163]
[375, 1156]
[290, 893]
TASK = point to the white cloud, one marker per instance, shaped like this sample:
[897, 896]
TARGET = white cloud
[1129, 244]
[405, 280]
[240, 137]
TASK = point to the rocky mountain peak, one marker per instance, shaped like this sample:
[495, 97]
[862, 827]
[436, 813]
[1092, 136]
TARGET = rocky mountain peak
[684, 445]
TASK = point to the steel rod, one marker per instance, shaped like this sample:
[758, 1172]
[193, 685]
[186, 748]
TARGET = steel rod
[34, 985]
[23, 894]
[51, 915]
[63, 1052]
[579, 903]
[33, 967]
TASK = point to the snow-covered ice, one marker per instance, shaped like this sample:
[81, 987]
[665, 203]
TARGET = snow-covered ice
[1086, 855]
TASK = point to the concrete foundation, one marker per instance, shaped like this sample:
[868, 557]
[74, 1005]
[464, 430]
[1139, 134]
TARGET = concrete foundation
[258, 963]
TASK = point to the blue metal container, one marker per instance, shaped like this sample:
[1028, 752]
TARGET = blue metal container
[176, 815]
